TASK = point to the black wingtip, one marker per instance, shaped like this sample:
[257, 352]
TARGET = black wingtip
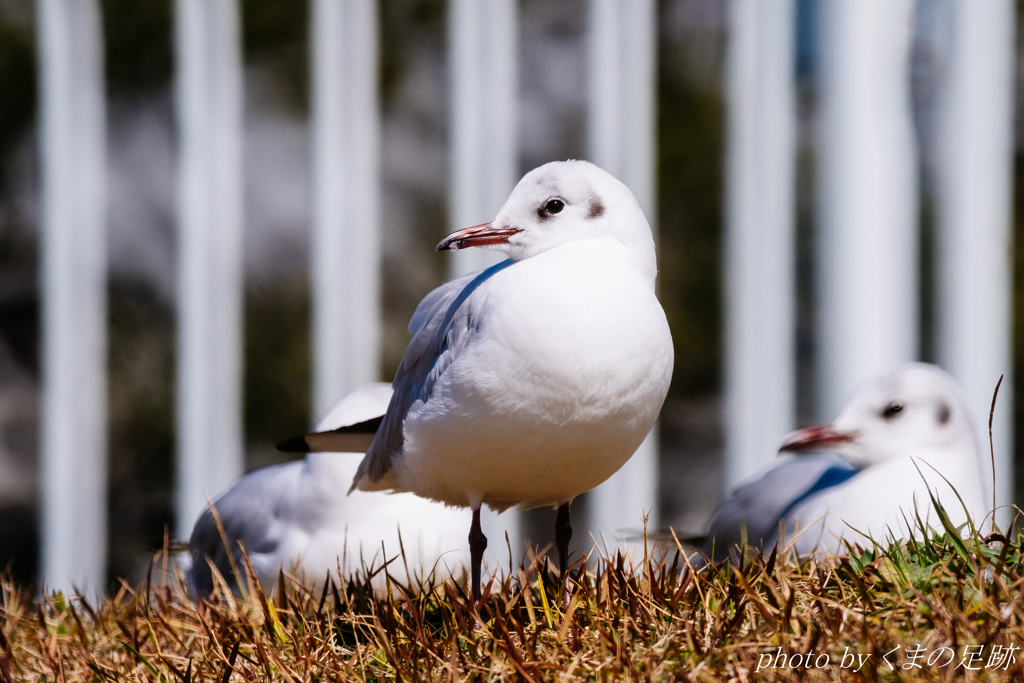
[296, 444]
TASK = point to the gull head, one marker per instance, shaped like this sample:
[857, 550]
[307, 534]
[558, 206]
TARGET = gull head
[559, 203]
[916, 410]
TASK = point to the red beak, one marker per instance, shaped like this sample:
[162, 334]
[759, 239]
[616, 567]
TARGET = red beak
[812, 438]
[476, 236]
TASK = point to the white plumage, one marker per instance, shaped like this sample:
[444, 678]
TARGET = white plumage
[296, 517]
[535, 380]
[899, 436]
[525, 384]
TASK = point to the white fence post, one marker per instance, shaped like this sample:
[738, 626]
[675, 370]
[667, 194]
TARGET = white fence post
[483, 59]
[483, 67]
[867, 245]
[210, 278]
[622, 44]
[346, 244]
[974, 173]
[760, 286]
[74, 298]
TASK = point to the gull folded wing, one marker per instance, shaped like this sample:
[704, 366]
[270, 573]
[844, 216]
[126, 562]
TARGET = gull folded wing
[442, 326]
[752, 511]
[349, 439]
[348, 427]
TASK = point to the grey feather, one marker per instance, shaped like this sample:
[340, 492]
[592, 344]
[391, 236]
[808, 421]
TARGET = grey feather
[246, 511]
[442, 326]
[757, 507]
[438, 299]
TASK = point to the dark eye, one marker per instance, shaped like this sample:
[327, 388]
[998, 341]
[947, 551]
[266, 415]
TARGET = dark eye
[892, 410]
[554, 206]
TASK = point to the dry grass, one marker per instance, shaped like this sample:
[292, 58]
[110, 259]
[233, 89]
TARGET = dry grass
[658, 623]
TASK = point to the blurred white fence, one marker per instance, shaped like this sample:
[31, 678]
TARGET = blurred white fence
[975, 170]
[74, 316]
[760, 323]
[867, 208]
[867, 245]
[867, 211]
[208, 95]
[346, 246]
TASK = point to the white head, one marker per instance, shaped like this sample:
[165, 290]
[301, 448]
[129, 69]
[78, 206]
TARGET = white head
[916, 410]
[562, 202]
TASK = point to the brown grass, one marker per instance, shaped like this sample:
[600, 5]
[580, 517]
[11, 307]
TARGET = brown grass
[660, 622]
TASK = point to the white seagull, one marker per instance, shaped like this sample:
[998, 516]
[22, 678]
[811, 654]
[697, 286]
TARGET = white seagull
[899, 436]
[535, 380]
[295, 517]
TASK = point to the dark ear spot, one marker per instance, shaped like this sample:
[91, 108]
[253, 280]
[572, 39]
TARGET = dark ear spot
[596, 208]
[944, 413]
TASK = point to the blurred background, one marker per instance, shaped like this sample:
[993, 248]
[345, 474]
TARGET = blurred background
[700, 145]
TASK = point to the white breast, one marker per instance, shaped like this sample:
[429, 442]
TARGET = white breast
[880, 501]
[559, 386]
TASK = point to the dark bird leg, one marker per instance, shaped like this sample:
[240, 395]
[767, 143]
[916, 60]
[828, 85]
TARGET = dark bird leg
[563, 534]
[477, 545]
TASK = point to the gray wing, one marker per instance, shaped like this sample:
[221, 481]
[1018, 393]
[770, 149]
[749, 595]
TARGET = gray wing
[438, 300]
[442, 326]
[758, 506]
[246, 511]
